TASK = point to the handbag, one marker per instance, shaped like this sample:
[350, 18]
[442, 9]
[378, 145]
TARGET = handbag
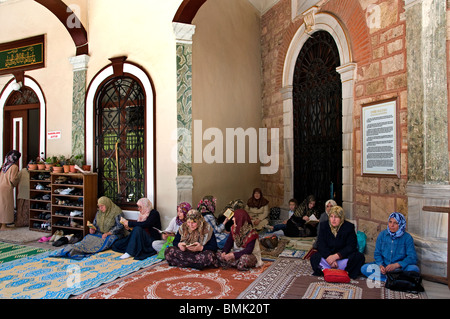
[407, 281]
[336, 275]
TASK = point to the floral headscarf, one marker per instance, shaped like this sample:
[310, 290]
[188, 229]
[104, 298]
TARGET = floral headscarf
[401, 225]
[242, 229]
[202, 234]
[185, 207]
[11, 158]
[207, 205]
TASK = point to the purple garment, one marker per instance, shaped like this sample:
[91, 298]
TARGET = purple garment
[342, 264]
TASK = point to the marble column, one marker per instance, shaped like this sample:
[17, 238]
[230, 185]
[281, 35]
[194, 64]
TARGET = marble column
[79, 64]
[183, 33]
[428, 160]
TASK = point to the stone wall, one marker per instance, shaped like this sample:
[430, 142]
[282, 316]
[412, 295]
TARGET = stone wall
[377, 35]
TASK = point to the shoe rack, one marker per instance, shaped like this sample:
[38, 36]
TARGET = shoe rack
[73, 201]
[53, 207]
[40, 201]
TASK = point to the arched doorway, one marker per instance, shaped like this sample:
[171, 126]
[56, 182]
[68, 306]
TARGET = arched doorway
[21, 124]
[317, 114]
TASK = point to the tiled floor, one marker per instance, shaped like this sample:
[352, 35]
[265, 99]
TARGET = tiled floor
[436, 290]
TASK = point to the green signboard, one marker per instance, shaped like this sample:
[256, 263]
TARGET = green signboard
[22, 57]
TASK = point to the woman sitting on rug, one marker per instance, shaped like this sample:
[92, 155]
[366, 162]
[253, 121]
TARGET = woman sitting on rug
[171, 230]
[337, 246]
[104, 231]
[301, 223]
[207, 207]
[394, 250]
[324, 217]
[139, 243]
[244, 242]
[194, 245]
[258, 209]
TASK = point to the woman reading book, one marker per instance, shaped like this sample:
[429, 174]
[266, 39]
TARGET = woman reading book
[194, 245]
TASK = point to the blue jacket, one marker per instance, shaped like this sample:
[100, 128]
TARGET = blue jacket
[400, 250]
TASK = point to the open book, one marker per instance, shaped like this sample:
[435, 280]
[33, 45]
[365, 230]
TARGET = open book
[162, 231]
[228, 213]
[90, 225]
[312, 220]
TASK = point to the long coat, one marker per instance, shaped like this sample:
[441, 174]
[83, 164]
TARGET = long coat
[8, 181]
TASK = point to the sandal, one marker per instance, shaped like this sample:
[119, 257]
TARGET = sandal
[44, 239]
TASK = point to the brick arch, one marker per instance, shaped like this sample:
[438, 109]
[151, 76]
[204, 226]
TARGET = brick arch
[63, 13]
[352, 19]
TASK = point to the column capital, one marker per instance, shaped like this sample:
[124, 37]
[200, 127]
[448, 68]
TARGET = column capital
[79, 62]
[183, 32]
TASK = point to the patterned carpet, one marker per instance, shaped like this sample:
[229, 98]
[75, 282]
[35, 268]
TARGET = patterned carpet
[290, 278]
[164, 282]
[10, 252]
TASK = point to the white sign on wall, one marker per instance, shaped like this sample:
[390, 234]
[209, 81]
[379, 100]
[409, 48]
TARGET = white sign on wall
[54, 135]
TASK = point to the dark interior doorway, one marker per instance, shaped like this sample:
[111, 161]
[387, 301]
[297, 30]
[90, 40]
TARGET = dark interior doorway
[317, 96]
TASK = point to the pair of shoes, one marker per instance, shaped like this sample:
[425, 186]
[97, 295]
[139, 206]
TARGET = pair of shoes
[61, 241]
[57, 235]
[44, 239]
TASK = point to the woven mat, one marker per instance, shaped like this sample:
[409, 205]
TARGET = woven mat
[290, 278]
[164, 282]
[10, 252]
[45, 277]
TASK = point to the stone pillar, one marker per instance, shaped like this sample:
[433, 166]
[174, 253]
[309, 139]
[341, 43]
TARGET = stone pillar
[288, 144]
[79, 64]
[428, 161]
[183, 33]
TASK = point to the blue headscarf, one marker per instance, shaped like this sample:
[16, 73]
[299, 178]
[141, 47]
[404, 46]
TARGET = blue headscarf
[401, 225]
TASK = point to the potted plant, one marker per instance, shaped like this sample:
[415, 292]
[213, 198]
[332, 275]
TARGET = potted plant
[32, 165]
[40, 164]
[75, 160]
[49, 162]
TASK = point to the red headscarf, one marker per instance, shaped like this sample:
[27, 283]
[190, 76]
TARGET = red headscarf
[242, 229]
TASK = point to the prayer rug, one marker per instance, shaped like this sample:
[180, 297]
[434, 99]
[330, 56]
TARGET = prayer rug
[10, 252]
[291, 278]
[162, 281]
[45, 277]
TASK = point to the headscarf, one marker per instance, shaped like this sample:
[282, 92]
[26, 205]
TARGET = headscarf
[401, 225]
[339, 212]
[185, 207]
[207, 205]
[106, 220]
[330, 201]
[201, 234]
[304, 210]
[258, 203]
[147, 208]
[242, 230]
[11, 158]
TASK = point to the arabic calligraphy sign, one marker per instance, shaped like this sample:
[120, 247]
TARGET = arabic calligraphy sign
[22, 55]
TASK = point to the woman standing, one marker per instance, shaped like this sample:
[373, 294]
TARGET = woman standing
[337, 246]
[244, 241]
[139, 243]
[9, 178]
[258, 209]
[194, 245]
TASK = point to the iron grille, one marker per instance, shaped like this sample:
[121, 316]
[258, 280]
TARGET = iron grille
[120, 140]
[317, 111]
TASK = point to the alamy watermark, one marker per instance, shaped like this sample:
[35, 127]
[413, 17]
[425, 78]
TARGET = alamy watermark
[235, 145]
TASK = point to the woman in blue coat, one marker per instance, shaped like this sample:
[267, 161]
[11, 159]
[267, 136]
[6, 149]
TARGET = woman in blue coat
[394, 250]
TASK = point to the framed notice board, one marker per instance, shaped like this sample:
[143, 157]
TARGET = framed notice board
[380, 139]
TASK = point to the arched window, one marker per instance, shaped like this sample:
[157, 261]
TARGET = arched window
[120, 140]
